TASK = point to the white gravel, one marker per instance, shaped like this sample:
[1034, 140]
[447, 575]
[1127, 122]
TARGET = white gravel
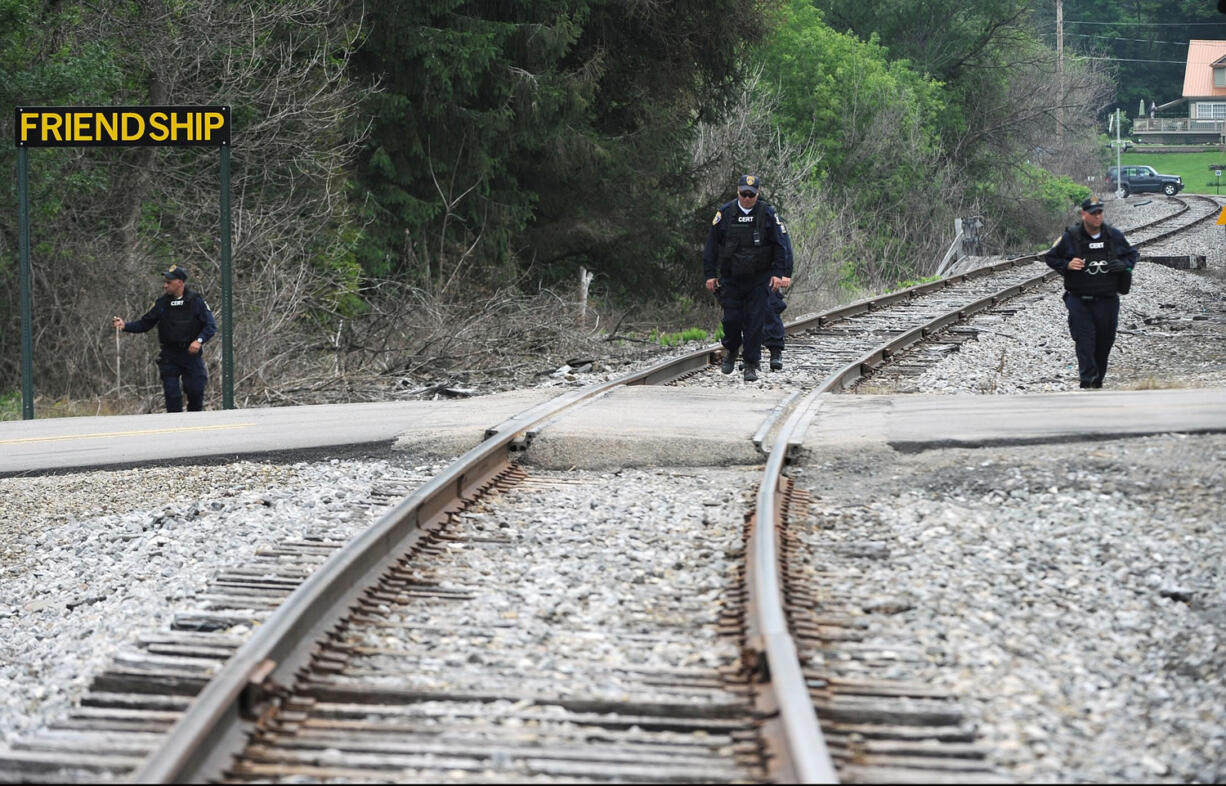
[1172, 329]
[601, 574]
[89, 560]
[1074, 594]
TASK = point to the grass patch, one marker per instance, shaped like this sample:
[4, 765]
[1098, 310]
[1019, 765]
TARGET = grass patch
[1192, 167]
[683, 336]
[10, 407]
[913, 282]
[1154, 383]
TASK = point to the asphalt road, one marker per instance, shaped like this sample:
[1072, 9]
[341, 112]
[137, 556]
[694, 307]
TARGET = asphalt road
[73, 443]
[635, 426]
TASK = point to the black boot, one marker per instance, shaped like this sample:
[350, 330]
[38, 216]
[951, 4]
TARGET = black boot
[751, 372]
[729, 363]
[776, 359]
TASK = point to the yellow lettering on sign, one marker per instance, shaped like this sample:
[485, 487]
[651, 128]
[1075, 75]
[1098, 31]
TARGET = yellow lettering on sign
[108, 127]
[51, 125]
[177, 125]
[157, 127]
[133, 127]
[212, 122]
[81, 131]
[29, 123]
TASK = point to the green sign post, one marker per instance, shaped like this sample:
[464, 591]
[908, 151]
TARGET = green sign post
[81, 126]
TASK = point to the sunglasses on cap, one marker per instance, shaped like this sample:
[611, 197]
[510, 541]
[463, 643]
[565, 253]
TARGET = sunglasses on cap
[749, 194]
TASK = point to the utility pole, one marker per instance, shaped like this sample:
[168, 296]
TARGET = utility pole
[1060, 69]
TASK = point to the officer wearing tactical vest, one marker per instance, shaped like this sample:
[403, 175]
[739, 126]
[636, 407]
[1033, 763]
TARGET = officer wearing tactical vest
[184, 324]
[1096, 262]
[744, 258]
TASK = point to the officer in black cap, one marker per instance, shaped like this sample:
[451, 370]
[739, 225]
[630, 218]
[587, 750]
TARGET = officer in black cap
[745, 257]
[184, 324]
[1096, 262]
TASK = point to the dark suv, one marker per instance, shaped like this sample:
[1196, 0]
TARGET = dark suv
[1139, 178]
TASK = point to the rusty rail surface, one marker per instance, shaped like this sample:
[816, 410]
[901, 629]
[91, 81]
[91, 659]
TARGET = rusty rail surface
[213, 729]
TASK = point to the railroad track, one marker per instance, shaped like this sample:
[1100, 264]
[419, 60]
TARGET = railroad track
[318, 691]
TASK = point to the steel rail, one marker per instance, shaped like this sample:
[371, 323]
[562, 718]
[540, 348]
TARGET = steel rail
[206, 737]
[794, 736]
[872, 360]
[798, 750]
[213, 728]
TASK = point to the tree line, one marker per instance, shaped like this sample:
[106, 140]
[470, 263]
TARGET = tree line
[406, 171]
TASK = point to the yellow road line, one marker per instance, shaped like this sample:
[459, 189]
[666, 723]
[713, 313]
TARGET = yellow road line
[124, 433]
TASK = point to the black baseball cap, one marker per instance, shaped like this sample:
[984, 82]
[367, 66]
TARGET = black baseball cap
[748, 183]
[174, 271]
[1092, 205]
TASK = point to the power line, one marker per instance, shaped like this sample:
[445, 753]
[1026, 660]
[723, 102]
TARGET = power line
[1116, 38]
[1147, 24]
[1130, 60]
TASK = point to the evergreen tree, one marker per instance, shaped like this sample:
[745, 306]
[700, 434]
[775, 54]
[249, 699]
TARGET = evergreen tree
[537, 137]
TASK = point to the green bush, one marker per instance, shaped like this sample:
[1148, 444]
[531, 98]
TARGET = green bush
[10, 405]
[1057, 193]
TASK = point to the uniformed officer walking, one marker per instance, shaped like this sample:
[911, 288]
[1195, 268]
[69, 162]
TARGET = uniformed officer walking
[184, 324]
[1096, 262]
[773, 334]
[744, 258]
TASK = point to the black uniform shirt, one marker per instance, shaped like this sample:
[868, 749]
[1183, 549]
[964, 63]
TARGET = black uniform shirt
[776, 235]
[165, 314]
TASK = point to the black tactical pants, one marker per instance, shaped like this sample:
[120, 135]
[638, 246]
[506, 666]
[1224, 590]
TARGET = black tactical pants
[744, 302]
[175, 363]
[772, 333]
[1092, 322]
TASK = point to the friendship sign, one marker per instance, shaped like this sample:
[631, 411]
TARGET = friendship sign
[80, 126]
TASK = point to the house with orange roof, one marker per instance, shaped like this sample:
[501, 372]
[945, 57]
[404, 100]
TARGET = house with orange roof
[1199, 116]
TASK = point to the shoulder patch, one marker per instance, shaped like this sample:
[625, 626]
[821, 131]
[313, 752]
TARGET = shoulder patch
[719, 214]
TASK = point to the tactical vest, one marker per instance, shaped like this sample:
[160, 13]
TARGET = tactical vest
[746, 249]
[178, 325]
[1094, 278]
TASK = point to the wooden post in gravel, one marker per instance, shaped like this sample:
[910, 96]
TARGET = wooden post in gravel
[585, 281]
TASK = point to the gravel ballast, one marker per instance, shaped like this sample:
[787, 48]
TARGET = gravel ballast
[1075, 594]
[90, 560]
[1172, 328]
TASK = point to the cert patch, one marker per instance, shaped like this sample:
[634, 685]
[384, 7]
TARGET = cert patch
[718, 215]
